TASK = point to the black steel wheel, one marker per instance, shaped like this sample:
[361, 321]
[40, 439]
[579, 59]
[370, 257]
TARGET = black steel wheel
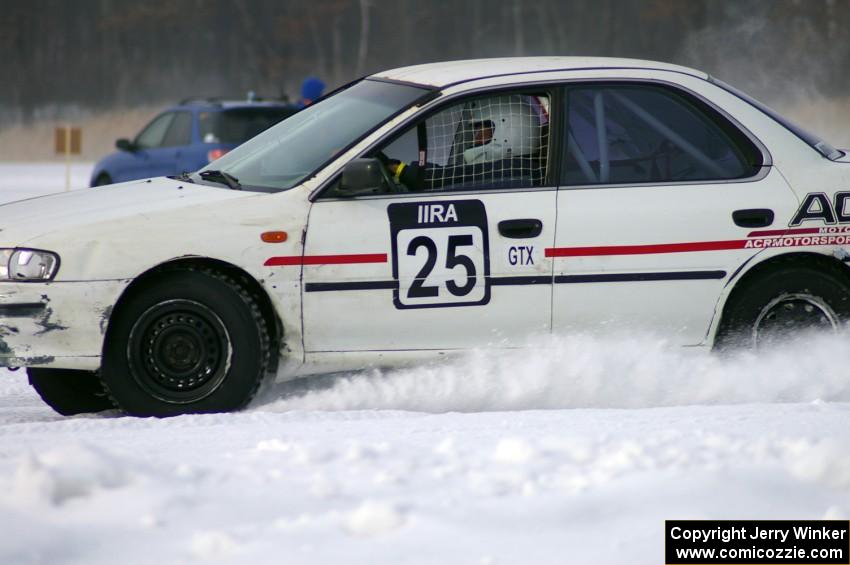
[785, 302]
[68, 391]
[179, 350]
[190, 341]
[789, 314]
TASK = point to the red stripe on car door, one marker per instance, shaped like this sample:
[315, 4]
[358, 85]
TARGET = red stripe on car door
[325, 259]
[645, 249]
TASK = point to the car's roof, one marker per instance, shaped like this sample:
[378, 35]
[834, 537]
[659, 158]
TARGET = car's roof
[228, 104]
[216, 104]
[453, 72]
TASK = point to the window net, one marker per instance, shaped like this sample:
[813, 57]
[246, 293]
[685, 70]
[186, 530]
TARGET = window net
[494, 142]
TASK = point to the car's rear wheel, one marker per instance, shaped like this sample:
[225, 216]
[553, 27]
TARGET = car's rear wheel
[190, 341]
[68, 391]
[102, 179]
[784, 303]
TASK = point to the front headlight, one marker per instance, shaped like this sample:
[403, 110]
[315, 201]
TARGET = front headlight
[27, 265]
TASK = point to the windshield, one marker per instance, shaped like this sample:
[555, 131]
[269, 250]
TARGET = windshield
[814, 141]
[286, 154]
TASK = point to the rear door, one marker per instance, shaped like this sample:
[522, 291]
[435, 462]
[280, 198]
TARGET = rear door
[176, 146]
[171, 155]
[661, 197]
[455, 261]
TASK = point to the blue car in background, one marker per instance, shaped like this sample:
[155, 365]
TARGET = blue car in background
[187, 137]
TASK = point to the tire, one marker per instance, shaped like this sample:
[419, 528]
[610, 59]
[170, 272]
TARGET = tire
[102, 179]
[783, 302]
[70, 392]
[191, 341]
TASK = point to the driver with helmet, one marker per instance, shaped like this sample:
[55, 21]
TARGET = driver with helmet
[497, 144]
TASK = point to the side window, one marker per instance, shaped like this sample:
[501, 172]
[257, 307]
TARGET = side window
[180, 131]
[154, 132]
[625, 134]
[499, 141]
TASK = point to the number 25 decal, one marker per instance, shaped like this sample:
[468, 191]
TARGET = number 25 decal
[440, 254]
[418, 288]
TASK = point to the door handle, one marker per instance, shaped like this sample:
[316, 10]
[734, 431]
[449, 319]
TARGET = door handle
[753, 218]
[520, 229]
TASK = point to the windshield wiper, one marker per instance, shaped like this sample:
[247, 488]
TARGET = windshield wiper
[184, 177]
[221, 177]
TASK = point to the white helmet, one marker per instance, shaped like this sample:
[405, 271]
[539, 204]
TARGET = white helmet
[515, 129]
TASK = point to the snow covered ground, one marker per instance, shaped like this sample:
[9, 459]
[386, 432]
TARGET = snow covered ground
[571, 450]
[25, 180]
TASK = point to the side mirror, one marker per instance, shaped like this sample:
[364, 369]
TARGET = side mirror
[362, 176]
[125, 145]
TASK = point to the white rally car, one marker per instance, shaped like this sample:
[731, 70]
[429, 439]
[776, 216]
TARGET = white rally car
[426, 210]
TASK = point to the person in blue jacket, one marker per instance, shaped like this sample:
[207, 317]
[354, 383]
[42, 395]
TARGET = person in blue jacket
[311, 90]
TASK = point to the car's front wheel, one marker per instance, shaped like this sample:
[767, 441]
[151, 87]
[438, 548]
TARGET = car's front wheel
[190, 341]
[68, 391]
[785, 302]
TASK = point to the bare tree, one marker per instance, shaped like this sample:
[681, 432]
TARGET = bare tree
[519, 38]
[116, 53]
[363, 45]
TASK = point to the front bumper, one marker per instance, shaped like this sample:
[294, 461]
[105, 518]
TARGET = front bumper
[55, 324]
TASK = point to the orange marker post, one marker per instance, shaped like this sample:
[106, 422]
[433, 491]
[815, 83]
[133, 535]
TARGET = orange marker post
[68, 141]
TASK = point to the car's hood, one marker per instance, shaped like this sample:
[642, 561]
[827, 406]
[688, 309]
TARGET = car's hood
[24, 220]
